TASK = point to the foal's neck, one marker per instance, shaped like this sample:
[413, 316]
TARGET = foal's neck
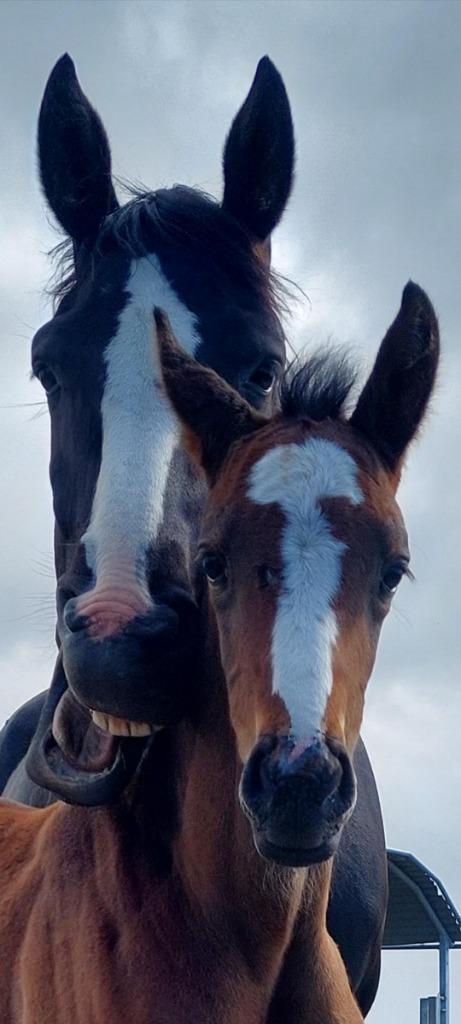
[233, 910]
[213, 850]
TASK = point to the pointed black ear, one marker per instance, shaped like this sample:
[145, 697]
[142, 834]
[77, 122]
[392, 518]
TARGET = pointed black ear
[259, 155]
[211, 413]
[394, 400]
[74, 155]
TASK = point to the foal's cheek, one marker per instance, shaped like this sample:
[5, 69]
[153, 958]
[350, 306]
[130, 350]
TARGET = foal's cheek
[246, 658]
[352, 666]
[243, 719]
[239, 683]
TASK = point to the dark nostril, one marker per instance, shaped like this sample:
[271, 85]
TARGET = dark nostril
[72, 619]
[179, 601]
[326, 779]
[161, 623]
[347, 782]
[257, 778]
[332, 779]
[320, 773]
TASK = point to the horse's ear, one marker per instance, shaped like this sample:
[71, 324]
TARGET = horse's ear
[212, 415]
[394, 400]
[259, 155]
[74, 155]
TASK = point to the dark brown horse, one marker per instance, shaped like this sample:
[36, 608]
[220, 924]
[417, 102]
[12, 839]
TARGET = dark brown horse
[127, 501]
[303, 545]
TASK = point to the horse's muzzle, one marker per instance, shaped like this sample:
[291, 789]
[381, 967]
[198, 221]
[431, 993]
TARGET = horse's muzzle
[298, 798]
[142, 674]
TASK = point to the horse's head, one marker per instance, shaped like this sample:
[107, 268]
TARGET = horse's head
[304, 545]
[126, 500]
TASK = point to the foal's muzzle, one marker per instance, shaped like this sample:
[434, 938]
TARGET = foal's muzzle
[298, 798]
[142, 674]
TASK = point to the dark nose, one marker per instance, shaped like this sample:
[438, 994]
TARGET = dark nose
[142, 673]
[315, 766]
[298, 795]
[280, 760]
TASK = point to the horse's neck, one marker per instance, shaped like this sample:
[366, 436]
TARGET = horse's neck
[213, 849]
[179, 861]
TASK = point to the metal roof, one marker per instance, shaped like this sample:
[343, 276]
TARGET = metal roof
[420, 911]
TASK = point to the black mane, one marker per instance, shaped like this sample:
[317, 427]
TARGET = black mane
[318, 388]
[181, 217]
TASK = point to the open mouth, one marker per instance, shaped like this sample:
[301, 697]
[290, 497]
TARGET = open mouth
[89, 739]
[82, 742]
[84, 757]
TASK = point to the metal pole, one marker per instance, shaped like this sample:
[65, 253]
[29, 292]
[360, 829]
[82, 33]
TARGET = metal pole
[429, 1010]
[444, 981]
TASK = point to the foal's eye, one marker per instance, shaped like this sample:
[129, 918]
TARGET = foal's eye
[267, 576]
[214, 567]
[47, 380]
[392, 576]
[263, 378]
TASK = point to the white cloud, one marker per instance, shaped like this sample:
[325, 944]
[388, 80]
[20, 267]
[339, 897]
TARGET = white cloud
[24, 670]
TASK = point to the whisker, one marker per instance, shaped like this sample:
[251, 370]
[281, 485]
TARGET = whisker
[22, 405]
[401, 615]
[42, 569]
[30, 616]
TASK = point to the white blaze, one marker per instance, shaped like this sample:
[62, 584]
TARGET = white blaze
[139, 429]
[297, 477]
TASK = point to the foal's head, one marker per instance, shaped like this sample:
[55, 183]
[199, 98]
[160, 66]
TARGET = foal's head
[304, 545]
[126, 500]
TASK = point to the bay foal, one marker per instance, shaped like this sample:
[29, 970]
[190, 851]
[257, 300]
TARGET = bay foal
[303, 545]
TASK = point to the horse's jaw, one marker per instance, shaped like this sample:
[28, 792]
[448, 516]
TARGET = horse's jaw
[75, 759]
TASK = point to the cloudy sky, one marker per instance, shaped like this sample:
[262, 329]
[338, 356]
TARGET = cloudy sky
[375, 90]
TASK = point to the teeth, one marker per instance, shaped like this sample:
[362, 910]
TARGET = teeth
[121, 726]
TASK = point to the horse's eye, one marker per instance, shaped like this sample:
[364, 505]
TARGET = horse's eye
[214, 567]
[391, 577]
[263, 378]
[47, 380]
[267, 576]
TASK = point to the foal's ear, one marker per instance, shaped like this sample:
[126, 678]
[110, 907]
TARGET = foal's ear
[74, 155]
[259, 155]
[393, 402]
[211, 413]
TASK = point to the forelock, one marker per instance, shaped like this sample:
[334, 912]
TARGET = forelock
[188, 220]
[319, 388]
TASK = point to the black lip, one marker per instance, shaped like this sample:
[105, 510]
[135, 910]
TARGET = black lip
[47, 766]
[295, 857]
[139, 674]
[121, 677]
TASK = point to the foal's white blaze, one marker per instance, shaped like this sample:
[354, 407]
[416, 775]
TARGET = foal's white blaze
[297, 477]
[139, 437]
